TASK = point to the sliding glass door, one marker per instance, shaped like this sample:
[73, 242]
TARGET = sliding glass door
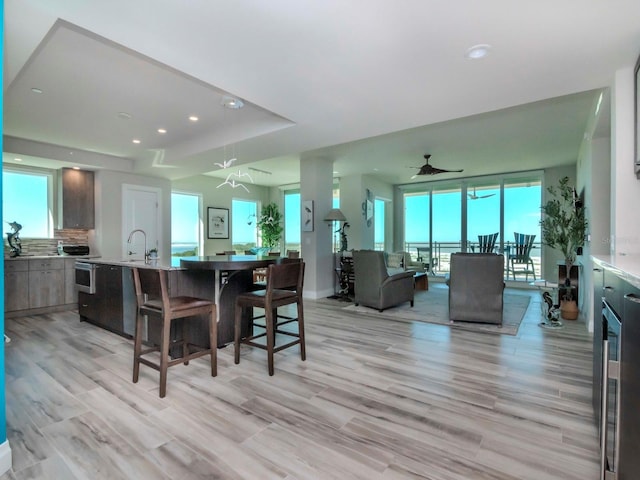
[483, 212]
[448, 217]
[446, 225]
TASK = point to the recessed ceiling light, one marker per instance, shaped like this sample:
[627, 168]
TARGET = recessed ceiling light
[162, 130]
[136, 141]
[36, 90]
[233, 103]
[193, 118]
[124, 116]
[76, 168]
[478, 51]
[18, 159]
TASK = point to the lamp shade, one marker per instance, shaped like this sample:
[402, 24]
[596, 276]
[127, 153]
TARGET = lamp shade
[335, 214]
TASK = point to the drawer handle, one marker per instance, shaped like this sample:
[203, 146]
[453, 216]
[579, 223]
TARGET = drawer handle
[632, 297]
[608, 288]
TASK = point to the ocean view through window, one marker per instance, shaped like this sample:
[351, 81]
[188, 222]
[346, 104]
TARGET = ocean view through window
[449, 216]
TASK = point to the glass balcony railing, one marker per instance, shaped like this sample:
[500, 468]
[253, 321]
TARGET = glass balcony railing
[441, 257]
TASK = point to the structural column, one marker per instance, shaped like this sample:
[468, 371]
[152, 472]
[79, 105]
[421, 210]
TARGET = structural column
[316, 185]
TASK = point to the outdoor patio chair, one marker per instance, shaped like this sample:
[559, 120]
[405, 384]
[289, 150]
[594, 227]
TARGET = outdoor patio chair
[520, 254]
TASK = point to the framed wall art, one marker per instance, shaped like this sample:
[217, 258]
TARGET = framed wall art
[307, 216]
[217, 222]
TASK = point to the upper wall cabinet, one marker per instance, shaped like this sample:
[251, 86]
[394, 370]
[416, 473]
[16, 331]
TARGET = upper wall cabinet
[77, 201]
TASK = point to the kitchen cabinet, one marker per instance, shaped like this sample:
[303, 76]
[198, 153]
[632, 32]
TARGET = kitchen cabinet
[620, 327]
[105, 307]
[46, 282]
[77, 199]
[16, 286]
[70, 291]
[39, 285]
[598, 337]
[628, 461]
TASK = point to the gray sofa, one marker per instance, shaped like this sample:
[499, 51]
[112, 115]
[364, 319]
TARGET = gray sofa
[476, 287]
[374, 286]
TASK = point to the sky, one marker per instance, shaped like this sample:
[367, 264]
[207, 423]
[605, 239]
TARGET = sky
[521, 214]
[25, 201]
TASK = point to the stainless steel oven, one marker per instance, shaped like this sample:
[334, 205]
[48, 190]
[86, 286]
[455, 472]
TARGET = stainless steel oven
[86, 277]
[610, 408]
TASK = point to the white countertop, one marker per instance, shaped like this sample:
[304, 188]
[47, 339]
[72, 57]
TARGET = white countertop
[626, 267]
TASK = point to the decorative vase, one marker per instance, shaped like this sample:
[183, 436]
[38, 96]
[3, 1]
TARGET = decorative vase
[569, 309]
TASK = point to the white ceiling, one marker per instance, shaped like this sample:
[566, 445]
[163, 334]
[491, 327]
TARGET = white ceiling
[373, 84]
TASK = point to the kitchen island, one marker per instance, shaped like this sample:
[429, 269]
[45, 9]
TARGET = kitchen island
[219, 278]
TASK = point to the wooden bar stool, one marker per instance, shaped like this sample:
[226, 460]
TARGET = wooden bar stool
[153, 299]
[284, 286]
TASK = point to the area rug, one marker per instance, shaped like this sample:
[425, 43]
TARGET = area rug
[432, 306]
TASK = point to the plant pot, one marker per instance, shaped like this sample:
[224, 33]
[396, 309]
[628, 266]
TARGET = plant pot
[569, 309]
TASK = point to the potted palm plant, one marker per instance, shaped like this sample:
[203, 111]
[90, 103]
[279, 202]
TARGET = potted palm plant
[564, 226]
[270, 225]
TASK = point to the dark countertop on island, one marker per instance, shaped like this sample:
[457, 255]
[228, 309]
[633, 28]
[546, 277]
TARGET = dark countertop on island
[172, 263]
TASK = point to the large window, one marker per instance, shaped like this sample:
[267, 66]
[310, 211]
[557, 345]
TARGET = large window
[186, 224]
[448, 217]
[379, 224]
[244, 232]
[483, 211]
[292, 216]
[27, 198]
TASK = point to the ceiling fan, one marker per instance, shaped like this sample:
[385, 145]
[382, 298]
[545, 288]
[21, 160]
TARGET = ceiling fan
[427, 169]
[473, 196]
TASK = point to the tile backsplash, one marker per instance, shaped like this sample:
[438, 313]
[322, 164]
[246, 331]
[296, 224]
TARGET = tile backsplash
[48, 246]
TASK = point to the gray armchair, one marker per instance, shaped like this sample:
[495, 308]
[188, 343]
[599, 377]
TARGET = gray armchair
[476, 287]
[374, 287]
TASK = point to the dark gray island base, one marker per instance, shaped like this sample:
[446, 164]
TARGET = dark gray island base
[113, 305]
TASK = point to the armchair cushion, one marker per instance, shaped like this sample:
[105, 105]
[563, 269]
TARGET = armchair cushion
[395, 260]
[374, 286]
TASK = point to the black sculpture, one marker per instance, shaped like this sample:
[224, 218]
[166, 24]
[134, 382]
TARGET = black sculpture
[13, 238]
[343, 237]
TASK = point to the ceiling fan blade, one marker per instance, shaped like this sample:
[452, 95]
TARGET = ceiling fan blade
[427, 169]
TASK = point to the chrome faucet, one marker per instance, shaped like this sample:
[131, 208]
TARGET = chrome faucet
[146, 253]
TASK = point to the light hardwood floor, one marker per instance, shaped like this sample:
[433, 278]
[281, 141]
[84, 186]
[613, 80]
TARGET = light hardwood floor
[375, 399]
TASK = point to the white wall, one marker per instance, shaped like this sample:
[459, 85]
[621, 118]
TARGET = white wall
[353, 191]
[625, 187]
[221, 198]
[108, 235]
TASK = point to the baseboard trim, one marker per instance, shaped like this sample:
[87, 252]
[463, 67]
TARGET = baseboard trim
[5, 457]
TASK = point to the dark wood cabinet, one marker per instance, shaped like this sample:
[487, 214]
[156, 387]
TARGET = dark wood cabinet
[105, 307]
[598, 337]
[628, 460]
[77, 199]
[622, 296]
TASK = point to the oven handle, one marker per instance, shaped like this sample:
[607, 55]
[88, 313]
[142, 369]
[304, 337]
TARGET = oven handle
[604, 409]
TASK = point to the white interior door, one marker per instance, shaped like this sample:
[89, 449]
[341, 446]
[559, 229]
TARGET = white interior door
[140, 210]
